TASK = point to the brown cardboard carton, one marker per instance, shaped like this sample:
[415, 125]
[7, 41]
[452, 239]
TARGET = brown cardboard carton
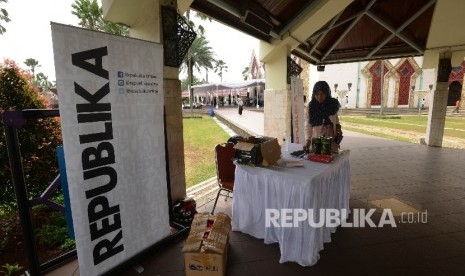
[258, 151]
[271, 152]
[206, 247]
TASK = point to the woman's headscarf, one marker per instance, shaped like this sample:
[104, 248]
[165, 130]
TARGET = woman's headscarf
[319, 112]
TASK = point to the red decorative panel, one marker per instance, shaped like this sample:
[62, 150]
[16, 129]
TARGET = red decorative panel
[375, 71]
[405, 71]
[457, 73]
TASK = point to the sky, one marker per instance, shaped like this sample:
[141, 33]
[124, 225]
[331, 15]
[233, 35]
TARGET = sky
[28, 35]
[231, 46]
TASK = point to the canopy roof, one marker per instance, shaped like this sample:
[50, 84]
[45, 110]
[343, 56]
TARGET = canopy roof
[228, 85]
[364, 30]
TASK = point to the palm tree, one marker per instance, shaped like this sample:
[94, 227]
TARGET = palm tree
[90, 15]
[3, 17]
[245, 72]
[200, 55]
[220, 66]
[32, 64]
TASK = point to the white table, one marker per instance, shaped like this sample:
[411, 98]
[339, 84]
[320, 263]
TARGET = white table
[314, 186]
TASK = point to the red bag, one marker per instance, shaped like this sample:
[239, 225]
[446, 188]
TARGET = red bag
[320, 158]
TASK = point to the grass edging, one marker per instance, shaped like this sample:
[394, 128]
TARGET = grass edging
[240, 131]
[379, 134]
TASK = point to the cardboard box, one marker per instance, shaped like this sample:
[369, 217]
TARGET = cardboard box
[258, 151]
[206, 247]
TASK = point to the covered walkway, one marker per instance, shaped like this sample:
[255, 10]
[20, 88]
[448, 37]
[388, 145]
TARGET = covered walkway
[385, 174]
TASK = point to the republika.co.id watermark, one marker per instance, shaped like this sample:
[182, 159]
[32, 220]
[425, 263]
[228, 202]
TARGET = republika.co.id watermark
[287, 218]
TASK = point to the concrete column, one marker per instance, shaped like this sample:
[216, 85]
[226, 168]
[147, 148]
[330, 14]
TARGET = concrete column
[438, 106]
[174, 129]
[277, 111]
[146, 23]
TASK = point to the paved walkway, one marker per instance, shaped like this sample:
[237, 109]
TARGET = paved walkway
[251, 121]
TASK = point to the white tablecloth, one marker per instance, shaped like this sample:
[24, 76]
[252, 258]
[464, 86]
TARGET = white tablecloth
[315, 186]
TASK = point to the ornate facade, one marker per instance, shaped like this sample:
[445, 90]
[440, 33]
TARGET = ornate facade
[403, 75]
[404, 83]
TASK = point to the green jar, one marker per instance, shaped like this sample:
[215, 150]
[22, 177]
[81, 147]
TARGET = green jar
[316, 145]
[326, 145]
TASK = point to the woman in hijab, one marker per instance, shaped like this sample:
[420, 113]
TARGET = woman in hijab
[322, 115]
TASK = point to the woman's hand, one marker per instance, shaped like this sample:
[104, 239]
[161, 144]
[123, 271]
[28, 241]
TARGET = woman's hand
[338, 130]
[307, 145]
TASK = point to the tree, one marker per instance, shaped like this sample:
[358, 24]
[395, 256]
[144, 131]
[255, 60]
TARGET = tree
[245, 73]
[90, 15]
[220, 66]
[43, 82]
[38, 138]
[200, 55]
[32, 64]
[185, 82]
[3, 17]
[200, 30]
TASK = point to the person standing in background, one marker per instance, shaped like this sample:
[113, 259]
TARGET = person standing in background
[240, 103]
[457, 106]
[347, 101]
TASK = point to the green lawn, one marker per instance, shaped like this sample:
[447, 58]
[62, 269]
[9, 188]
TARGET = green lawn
[455, 127]
[200, 138]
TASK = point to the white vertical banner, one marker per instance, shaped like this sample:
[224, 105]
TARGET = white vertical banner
[297, 105]
[110, 93]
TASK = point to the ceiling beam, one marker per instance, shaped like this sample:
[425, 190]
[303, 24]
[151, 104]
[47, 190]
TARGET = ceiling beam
[355, 59]
[392, 30]
[351, 26]
[447, 25]
[336, 25]
[183, 5]
[308, 8]
[325, 32]
[232, 9]
[403, 26]
[314, 20]
[304, 54]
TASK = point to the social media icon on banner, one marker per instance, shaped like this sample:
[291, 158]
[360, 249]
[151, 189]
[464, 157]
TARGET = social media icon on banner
[120, 74]
[121, 82]
[121, 91]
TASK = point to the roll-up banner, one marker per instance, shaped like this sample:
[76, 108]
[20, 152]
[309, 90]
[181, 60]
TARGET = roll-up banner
[298, 116]
[110, 92]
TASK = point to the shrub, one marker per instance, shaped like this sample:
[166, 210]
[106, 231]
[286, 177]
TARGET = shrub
[38, 138]
[55, 233]
[11, 269]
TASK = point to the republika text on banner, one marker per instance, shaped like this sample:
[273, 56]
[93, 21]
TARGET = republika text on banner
[110, 92]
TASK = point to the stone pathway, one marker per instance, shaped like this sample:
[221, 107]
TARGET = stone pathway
[251, 121]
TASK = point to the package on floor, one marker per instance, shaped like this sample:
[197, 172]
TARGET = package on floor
[206, 247]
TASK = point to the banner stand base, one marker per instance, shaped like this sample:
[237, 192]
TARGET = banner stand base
[182, 233]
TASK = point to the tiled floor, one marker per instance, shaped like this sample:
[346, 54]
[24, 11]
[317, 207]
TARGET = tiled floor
[383, 172]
